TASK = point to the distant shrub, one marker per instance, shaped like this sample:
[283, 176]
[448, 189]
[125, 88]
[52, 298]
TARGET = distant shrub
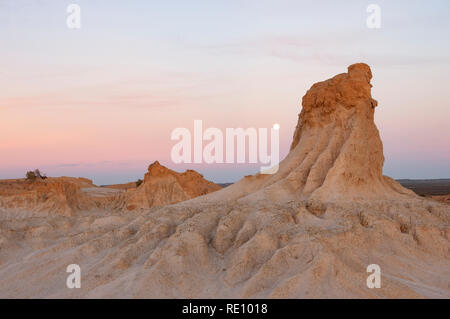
[139, 182]
[33, 175]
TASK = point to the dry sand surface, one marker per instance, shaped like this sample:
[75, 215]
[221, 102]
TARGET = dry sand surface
[310, 230]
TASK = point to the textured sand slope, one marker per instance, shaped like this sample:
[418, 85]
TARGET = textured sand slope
[308, 231]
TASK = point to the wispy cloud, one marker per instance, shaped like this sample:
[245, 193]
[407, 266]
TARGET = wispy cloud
[67, 165]
[336, 48]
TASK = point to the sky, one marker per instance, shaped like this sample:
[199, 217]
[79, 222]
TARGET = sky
[101, 101]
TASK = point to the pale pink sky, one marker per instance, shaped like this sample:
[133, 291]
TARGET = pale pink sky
[101, 101]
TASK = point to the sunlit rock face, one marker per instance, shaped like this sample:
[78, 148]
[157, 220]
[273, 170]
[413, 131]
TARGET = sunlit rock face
[164, 186]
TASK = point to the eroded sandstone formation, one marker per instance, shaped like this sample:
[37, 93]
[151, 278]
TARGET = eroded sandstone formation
[336, 143]
[162, 186]
[68, 195]
[60, 196]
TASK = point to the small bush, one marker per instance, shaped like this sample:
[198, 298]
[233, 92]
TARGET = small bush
[31, 176]
[139, 182]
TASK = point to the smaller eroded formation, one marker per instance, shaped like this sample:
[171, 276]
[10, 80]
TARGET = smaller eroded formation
[69, 195]
[162, 186]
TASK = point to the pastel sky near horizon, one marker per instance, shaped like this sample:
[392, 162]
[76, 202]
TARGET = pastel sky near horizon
[101, 101]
